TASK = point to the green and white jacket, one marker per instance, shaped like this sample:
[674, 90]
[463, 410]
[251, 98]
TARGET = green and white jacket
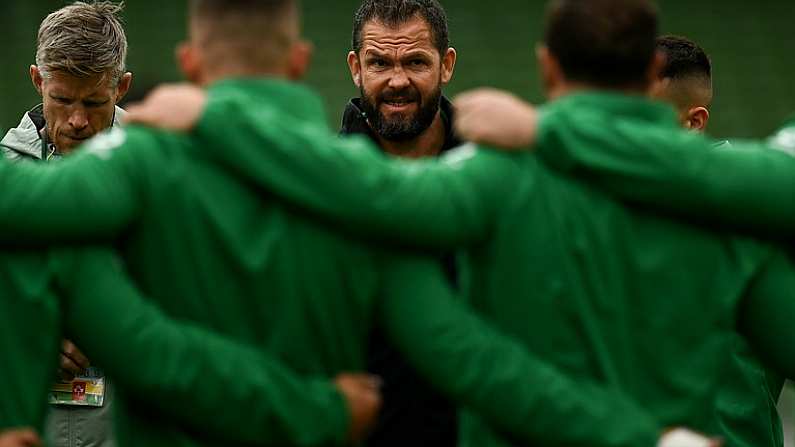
[28, 141]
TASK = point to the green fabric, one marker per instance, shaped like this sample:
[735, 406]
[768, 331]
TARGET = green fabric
[605, 292]
[744, 185]
[211, 248]
[185, 370]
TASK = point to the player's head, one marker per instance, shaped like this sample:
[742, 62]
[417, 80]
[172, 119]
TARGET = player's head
[243, 38]
[685, 80]
[80, 70]
[604, 44]
[400, 60]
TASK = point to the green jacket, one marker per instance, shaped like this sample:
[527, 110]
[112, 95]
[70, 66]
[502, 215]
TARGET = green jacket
[599, 274]
[745, 185]
[184, 371]
[211, 248]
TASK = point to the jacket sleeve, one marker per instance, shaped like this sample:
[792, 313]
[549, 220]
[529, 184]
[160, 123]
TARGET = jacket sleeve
[202, 380]
[91, 195]
[744, 184]
[494, 376]
[766, 314]
[437, 204]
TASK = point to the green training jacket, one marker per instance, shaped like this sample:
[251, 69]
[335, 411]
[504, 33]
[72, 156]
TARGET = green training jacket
[186, 371]
[212, 248]
[603, 291]
[745, 186]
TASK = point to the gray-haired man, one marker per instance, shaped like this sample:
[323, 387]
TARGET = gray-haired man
[80, 74]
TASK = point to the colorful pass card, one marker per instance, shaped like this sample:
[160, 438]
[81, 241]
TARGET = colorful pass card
[87, 389]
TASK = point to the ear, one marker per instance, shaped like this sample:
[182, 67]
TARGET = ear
[697, 119]
[36, 78]
[448, 65]
[299, 59]
[124, 86]
[189, 60]
[550, 71]
[355, 66]
[654, 71]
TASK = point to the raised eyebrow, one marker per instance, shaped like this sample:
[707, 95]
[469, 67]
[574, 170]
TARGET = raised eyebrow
[417, 54]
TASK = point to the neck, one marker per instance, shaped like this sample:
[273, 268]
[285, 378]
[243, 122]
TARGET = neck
[212, 75]
[568, 88]
[427, 144]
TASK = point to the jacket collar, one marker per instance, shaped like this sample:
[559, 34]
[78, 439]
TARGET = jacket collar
[26, 139]
[354, 121]
[610, 105]
[289, 98]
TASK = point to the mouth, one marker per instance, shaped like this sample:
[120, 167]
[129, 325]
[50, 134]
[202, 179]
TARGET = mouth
[397, 105]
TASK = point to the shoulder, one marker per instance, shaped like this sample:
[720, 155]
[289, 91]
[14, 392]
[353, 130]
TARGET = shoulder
[24, 140]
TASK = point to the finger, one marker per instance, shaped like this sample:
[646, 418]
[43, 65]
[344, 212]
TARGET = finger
[69, 367]
[371, 382]
[28, 438]
[76, 355]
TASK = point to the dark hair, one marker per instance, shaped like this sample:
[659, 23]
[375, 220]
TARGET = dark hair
[397, 12]
[683, 58]
[608, 43]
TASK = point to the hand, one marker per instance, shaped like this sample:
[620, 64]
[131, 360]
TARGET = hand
[176, 107]
[495, 118]
[682, 437]
[19, 438]
[73, 361]
[361, 392]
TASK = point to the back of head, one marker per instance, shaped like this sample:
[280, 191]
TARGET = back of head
[604, 43]
[83, 40]
[251, 33]
[394, 13]
[688, 72]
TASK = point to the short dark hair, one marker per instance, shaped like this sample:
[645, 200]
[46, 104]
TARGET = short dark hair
[683, 58]
[608, 43]
[397, 12]
[250, 32]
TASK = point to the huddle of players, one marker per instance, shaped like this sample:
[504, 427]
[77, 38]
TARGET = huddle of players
[590, 303]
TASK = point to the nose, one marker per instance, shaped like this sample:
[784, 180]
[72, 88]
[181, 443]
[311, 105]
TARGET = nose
[78, 119]
[398, 80]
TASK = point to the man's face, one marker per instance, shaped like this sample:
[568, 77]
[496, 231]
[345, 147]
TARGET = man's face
[76, 108]
[400, 76]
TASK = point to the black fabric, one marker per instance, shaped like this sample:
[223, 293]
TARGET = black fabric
[413, 414]
[37, 116]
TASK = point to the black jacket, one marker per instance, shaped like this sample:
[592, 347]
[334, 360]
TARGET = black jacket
[413, 414]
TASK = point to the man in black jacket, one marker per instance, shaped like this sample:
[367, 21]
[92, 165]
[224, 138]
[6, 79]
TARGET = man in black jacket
[401, 59]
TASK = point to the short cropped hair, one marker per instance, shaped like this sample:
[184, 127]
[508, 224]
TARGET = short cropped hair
[394, 13]
[607, 43]
[83, 39]
[251, 32]
[683, 58]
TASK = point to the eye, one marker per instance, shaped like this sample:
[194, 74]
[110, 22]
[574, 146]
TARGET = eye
[62, 100]
[94, 103]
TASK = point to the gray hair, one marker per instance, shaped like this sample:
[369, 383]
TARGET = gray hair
[83, 39]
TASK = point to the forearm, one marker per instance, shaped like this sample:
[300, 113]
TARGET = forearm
[192, 370]
[523, 396]
[766, 313]
[82, 198]
[348, 181]
[746, 185]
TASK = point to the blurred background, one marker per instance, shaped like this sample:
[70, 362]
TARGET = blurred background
[751, 45]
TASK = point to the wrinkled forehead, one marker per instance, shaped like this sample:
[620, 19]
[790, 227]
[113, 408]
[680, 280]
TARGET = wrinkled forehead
[413, 35]
[67, 83]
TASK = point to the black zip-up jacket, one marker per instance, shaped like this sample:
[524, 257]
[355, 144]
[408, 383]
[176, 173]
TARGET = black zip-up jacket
[413, 414]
